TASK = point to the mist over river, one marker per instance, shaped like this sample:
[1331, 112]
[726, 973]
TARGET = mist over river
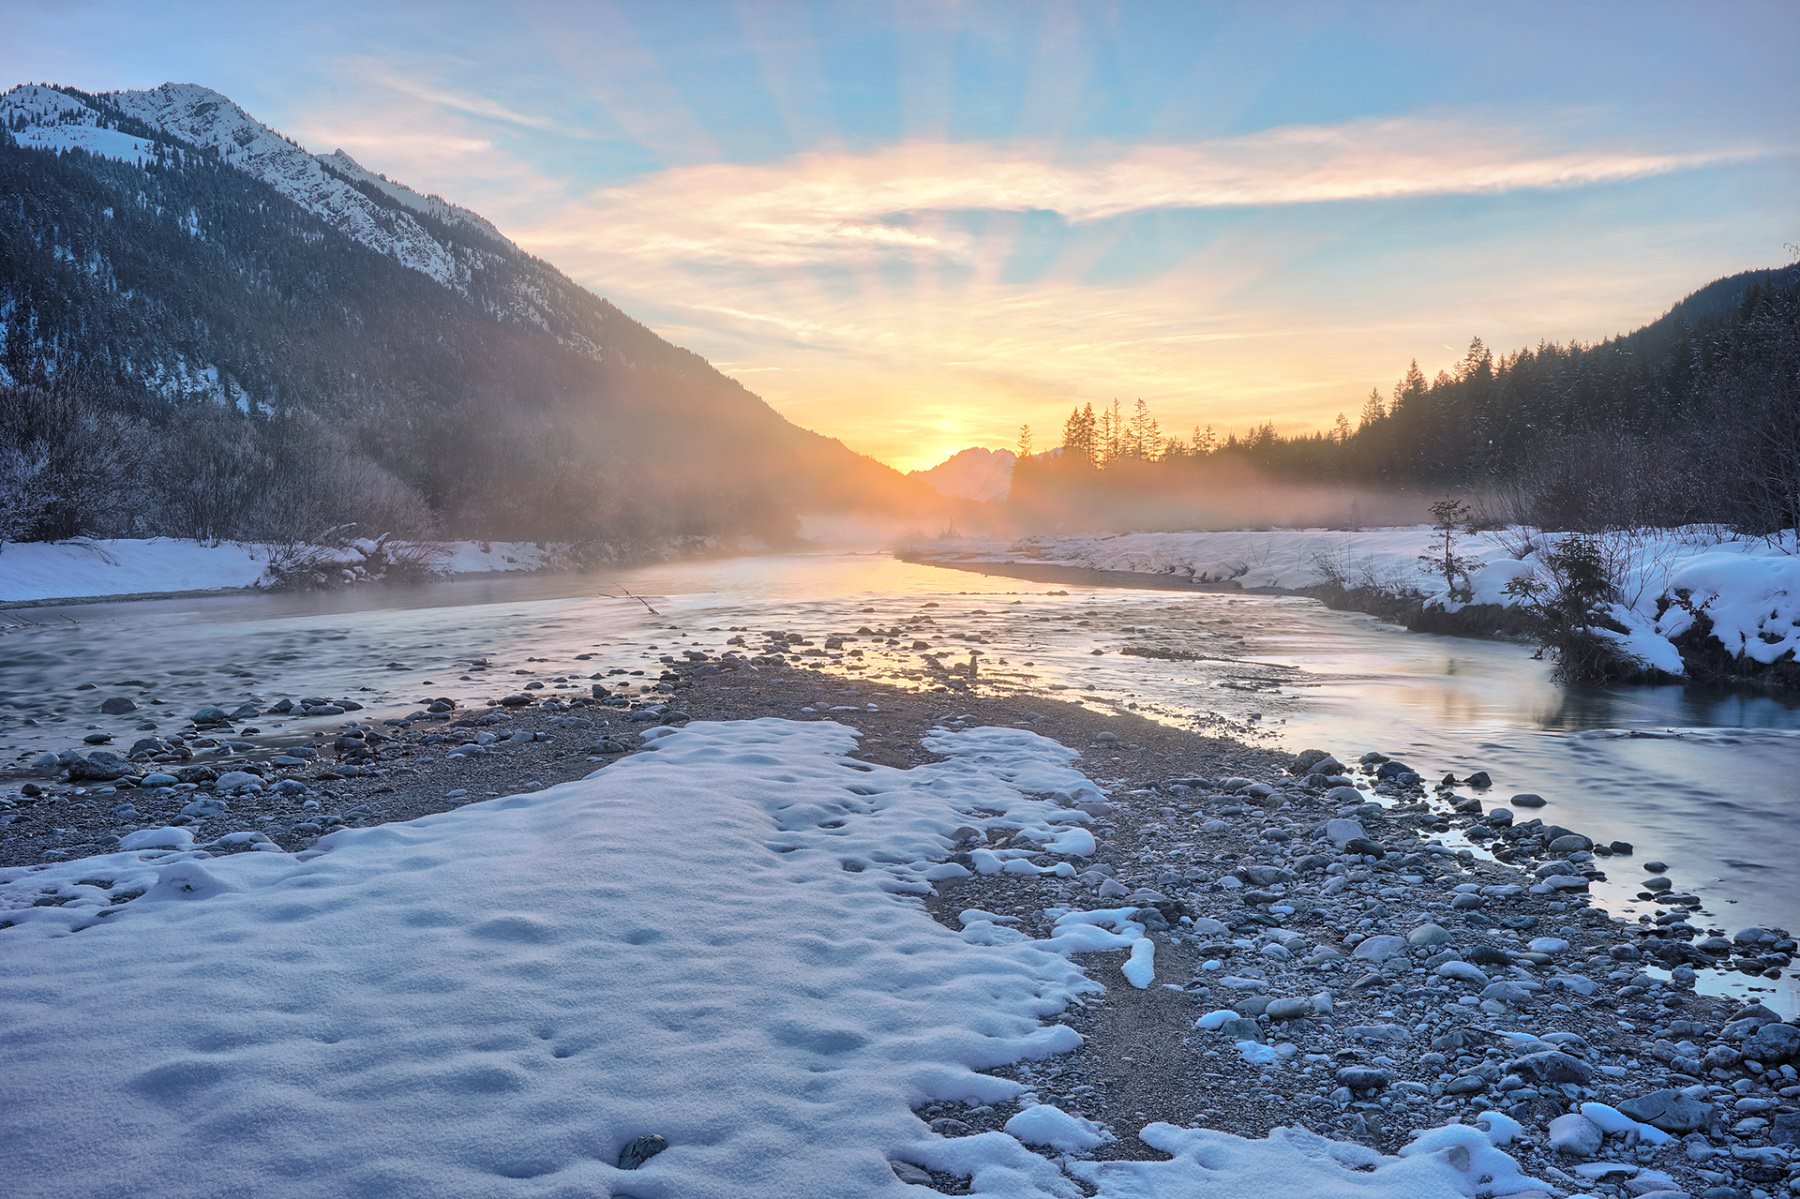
[1708, 783]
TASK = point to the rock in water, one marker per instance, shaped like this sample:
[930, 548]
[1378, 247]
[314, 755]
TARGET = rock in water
[118, 705]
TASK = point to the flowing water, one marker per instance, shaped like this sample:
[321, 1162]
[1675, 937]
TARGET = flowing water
[1708, 783]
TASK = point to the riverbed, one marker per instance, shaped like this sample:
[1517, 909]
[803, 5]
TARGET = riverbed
[1709, 783]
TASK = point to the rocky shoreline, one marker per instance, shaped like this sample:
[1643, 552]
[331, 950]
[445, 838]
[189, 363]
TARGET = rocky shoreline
[1343, 945]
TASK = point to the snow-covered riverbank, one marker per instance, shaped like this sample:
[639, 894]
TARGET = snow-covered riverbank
[91, 568]
[1674, 584]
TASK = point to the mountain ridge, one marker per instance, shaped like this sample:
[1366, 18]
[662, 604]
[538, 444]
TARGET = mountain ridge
[138, 268]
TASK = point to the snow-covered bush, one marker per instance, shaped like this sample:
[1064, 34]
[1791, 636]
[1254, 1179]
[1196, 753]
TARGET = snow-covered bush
[336, 559]
[1569, 598]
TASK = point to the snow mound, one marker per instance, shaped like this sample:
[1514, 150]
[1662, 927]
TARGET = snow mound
[1456, 1160]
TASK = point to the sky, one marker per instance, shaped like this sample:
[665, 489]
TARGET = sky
[917, 225]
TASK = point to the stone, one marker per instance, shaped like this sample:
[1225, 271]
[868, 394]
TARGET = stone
[1785, 1130]
[210, 715]
[1575, 1135]
[1289, 1009]
[910, 1174]
[1552, 1066]
[1669, 1110]
[118, 705]
[1571, 843]
[639, 1150]
[1527, 800]
[1773, 1044]
[99, 766]
[1379, 949]
[1381, 1034]
[1363, 1078]
[1427, 935]
[1343, 830]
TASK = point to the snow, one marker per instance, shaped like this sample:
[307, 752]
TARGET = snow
[494, 1000]
[519, 289]
[433, 206]
[104, 143]
[57, 121]
[202, 117]
[91, 568]
[1050, 1126]
[157, 838]
[1749, 588]
[37, 570]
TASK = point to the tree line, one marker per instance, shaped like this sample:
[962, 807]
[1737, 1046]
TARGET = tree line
[1694, 418]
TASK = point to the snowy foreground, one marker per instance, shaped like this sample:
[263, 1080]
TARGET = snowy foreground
[88, 568]
[719, 942]
[1748, 588]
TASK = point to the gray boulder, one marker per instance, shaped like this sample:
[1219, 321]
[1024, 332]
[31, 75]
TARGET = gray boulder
[1669, 1110]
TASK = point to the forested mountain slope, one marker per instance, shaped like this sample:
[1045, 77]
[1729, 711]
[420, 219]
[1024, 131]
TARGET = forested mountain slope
[206, 330]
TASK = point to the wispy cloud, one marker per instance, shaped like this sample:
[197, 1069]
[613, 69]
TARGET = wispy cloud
[821, 206]
[374, 72]
[867, 293]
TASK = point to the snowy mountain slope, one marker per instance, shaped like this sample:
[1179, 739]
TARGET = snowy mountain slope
[976, 473]
[43, 118]
[201, 117]
[450, 245]
[435, 207]
[387, 352]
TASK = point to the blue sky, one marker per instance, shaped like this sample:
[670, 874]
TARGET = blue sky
[917, 225]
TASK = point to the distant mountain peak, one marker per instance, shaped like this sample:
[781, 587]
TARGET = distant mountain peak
[976, 473]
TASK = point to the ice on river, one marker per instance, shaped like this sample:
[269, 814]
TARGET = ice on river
[718, 942]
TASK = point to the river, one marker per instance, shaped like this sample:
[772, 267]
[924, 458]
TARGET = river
[1709, 783]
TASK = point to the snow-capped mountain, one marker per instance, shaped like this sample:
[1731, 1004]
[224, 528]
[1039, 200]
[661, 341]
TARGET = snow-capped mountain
[972, 474]
[163, 249]
[428, 234]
